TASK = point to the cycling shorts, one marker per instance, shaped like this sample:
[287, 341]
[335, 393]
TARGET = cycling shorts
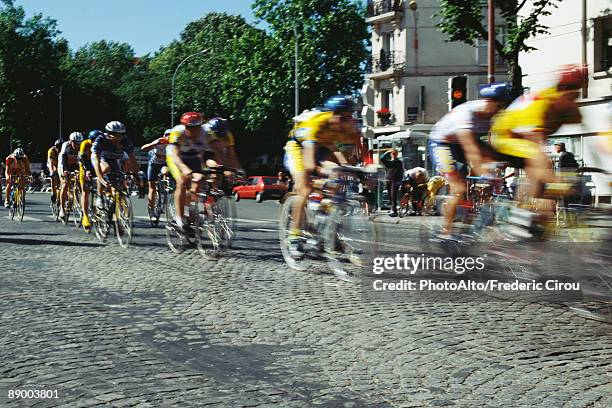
[294, 156]
[153, 170]
[70, 168]
[514, 147]
[448, 159]
[194, 164]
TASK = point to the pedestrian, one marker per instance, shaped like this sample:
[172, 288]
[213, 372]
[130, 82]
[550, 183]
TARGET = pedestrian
[566, 161]
[416, 179]
[395, 173]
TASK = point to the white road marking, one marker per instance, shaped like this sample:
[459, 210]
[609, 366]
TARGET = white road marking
[25, 218]
[263, 230]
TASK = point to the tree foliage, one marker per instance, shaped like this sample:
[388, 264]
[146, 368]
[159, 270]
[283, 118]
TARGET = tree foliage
[464, 21]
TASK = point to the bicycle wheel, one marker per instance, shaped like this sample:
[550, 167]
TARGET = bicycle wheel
[350, 241]
[174, 237]
[68, 207]
[205, 228]
[12, 207]
[78, 211]
[312, 259]
[124, 219]
[155, 212]
[226, 220]
[54, 208]
[101, 222]
[20, 204]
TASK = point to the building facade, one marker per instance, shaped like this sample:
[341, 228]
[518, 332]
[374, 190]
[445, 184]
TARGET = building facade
[580, 33]
[406, 85]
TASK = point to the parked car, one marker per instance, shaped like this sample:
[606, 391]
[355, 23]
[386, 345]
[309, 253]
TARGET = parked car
[260, 188]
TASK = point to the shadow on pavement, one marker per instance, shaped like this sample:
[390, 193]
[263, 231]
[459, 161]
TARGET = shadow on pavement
[26, 241]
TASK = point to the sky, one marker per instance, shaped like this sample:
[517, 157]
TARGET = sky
[144, 24]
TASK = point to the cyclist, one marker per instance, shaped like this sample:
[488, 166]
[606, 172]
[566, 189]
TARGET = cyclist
[157, 161]
[190, 144]
[521, 131]
[68, 162]
[223, 153]
[314, 147]
[455, 142]
[107, 153]
[17, 164]
[52, 163]
[86, 170]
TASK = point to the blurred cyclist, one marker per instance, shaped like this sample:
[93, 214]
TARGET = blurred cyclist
[314, 148]
[86, 170]
[68, 162]
[521, 131]
[157, 161]
[52, 163]
[455, 143]
[17, 164]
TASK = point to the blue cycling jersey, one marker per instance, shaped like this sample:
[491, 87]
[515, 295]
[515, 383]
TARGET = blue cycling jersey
[109, 151]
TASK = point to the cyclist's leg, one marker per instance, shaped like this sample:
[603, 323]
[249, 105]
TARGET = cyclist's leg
[179, 192]
[85, 191]
[449, 161]
[153, 171]
[294, 162]
[9, 187]
[64, 185]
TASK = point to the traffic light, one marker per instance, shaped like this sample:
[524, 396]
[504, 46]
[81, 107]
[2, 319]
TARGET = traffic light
[457, 91]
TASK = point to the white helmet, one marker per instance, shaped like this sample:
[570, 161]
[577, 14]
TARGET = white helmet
[115, 127]
[167, 132]
[76, 137]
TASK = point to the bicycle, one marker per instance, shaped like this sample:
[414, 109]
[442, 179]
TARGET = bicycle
[162, 192]
[211, 214]
[17, 198]
[335, 227]
[54, 203]
[116, 211]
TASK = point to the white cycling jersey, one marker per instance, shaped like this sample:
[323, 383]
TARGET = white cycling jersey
[463, 117]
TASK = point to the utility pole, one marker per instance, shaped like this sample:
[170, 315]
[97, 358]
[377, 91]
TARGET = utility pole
[60, 113]
[583, 29]
[491, 45]
[296, 73]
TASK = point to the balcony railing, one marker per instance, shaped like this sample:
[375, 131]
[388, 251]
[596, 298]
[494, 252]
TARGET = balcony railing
[378, 7]
[384, 61]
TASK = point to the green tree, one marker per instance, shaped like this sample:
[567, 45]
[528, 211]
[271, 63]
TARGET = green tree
[332, 37]
[463, 20]
[30, 51]
[94, 76]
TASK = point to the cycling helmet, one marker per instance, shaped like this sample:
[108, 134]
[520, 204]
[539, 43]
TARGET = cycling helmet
[497, 91]
[340, 103]
[167, 132]
[94, 134]
[115, 127]
[219, 126]
[19, 153]
[192, 119]
[76, 137]
[572, 76]
[58, 143]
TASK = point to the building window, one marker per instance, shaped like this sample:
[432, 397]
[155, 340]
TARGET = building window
[412, 113]
[482, 47]
[603, 43]
[387, 99]
[388, 42]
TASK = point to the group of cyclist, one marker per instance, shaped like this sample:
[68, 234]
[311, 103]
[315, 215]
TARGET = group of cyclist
[324, 138]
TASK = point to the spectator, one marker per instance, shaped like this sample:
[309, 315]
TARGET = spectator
[416, 180]
[395, 172]
[566, 159]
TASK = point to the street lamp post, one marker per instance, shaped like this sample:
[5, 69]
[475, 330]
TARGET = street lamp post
[297, 82]
[174, 78]
[491, 41]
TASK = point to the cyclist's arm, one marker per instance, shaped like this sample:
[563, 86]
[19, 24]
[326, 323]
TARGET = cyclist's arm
[148, 146]
[340, 157]
[470, 147]
[50, 165]
[132, 163]
[26, 165]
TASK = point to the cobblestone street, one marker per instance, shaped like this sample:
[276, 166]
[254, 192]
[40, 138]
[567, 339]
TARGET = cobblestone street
[144, 327]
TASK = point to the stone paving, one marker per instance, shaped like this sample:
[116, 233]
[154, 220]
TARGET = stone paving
[143, 327]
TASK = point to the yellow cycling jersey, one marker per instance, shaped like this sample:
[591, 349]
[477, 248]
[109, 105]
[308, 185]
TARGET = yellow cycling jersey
[527, 114]
[85, 154]
[316, 128]
[52, 153]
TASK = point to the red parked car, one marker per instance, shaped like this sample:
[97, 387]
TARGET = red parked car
[260, 188]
